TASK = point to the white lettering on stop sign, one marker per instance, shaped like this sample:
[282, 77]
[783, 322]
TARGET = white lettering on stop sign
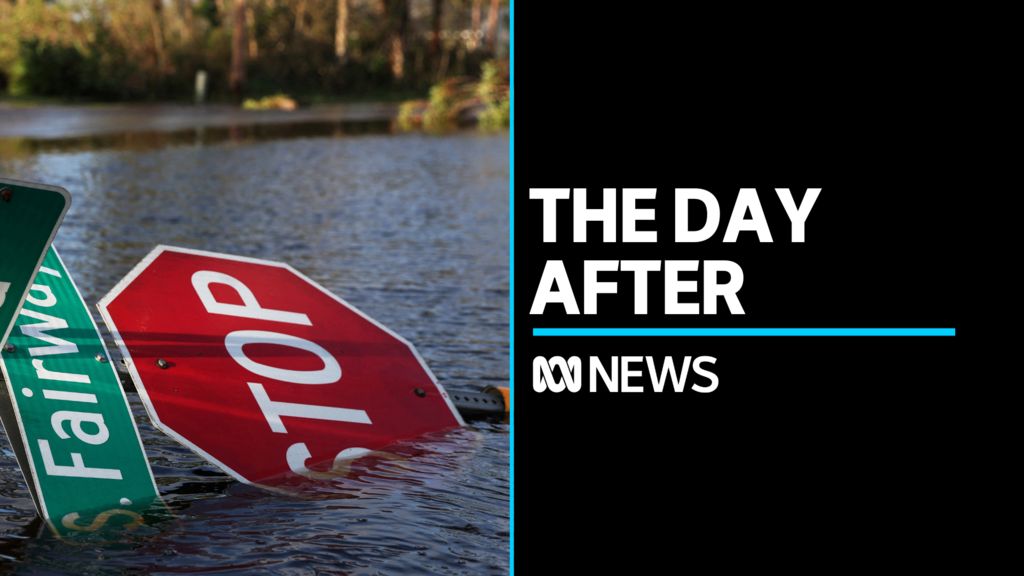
[250, 308]
[235, 343]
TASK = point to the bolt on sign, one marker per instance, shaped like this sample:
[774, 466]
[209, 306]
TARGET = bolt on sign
[264, 372]
[67, 416]
[29, 217]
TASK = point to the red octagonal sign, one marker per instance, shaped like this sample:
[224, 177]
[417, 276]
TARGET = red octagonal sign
[261, 370]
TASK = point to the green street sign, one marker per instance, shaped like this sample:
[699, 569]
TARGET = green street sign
[29, 217]
[67, 416]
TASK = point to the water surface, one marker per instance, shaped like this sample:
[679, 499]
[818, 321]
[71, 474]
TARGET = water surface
[411, 229]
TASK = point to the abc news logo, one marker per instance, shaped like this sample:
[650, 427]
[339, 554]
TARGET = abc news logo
[623, 374]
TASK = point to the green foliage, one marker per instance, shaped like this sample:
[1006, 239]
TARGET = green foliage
[494, 94]
[458, 102]
[139, 49]
[446, 100]
[491, 81]
[48, 70]
[274, 102]
[496, 117]
[207, 9]
[64, 71]
[410, 114]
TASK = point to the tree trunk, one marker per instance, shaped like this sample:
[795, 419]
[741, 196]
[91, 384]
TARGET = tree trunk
[396, 14]
[397, 57]
[300, 16]
[473, 43]
[435, 33]
[250, 23]
[185, 11]
[341, 32]
[239, 50]
[156, 27]
[492, 26]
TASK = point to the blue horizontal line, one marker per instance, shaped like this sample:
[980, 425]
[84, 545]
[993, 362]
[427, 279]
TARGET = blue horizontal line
[744, 331]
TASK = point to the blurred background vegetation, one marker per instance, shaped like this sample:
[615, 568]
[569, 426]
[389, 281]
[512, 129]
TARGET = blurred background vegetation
[311, 51]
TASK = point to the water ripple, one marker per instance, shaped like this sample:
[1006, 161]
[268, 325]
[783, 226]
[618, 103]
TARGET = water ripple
[412, 230]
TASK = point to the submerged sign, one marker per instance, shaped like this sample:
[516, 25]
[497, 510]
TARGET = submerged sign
[67, 416]
[29, 217]
[264, 372]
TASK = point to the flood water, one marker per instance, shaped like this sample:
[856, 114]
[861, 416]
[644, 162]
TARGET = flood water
[412, 230]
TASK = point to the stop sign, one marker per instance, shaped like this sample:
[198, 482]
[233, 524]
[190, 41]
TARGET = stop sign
[261, 370]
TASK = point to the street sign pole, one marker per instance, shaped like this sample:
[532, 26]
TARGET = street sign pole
[67, 416]
[30, 215]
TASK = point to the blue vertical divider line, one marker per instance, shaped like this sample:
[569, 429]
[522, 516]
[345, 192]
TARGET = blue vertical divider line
[774, 332]
[512, 284]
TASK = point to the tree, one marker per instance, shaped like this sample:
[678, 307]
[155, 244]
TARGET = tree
[239, 50]
[475, 23]
[157, 29]
[435, 32]
[492, 26]
[396, 15]
[341, 32]
[186, 13]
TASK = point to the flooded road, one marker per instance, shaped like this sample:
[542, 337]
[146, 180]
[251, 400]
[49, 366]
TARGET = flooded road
[63, 122]
[411, 229]
[26, 131]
